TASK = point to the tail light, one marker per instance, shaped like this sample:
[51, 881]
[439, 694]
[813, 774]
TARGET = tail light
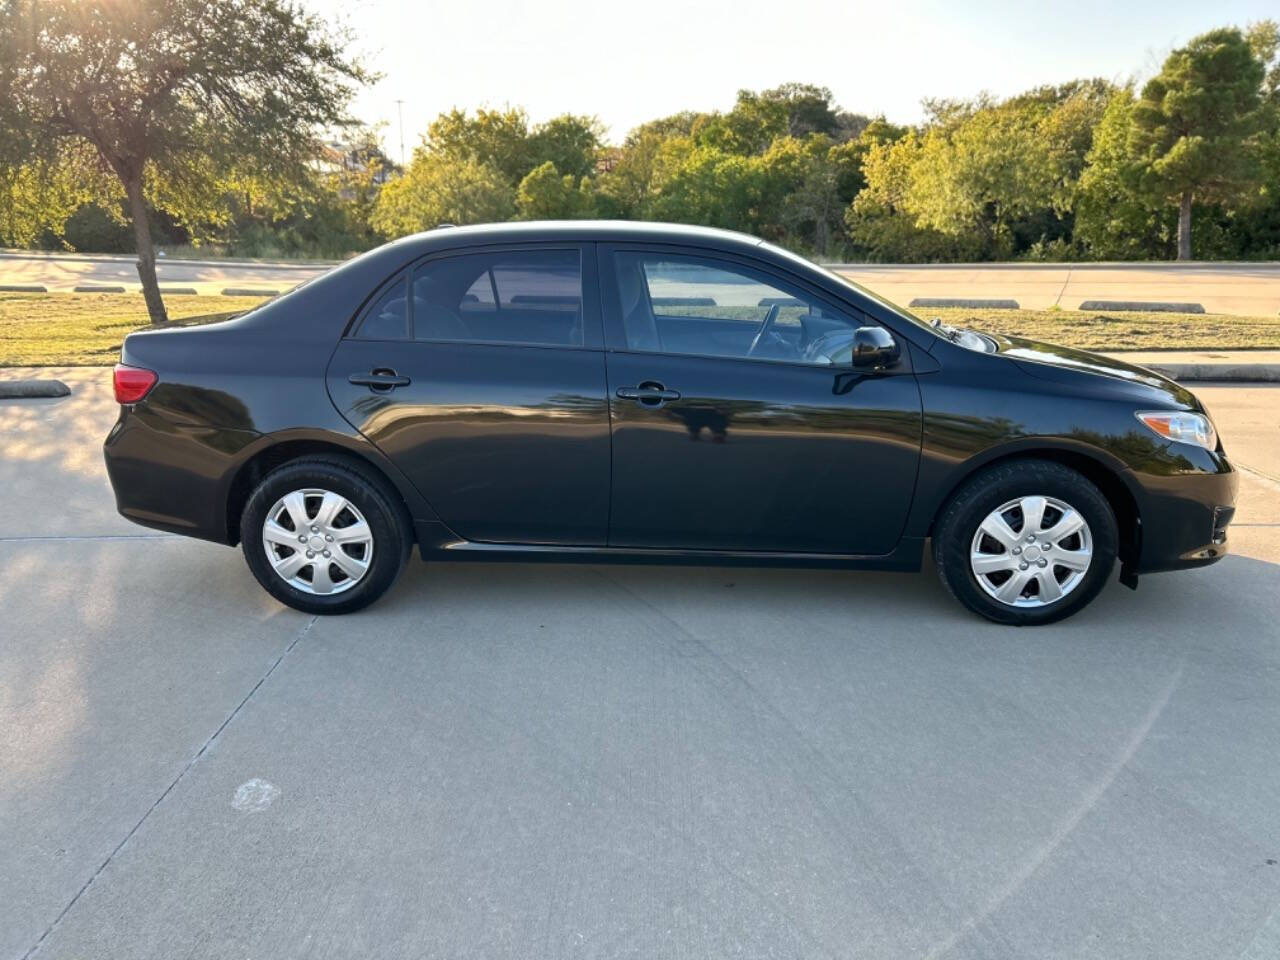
[132, 383]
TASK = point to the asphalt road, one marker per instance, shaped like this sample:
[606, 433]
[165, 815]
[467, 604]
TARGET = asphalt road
[1232, 288]
[553, 761]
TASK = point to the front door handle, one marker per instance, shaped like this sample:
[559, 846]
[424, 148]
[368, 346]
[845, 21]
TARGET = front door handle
[381, 380]
[648, 394]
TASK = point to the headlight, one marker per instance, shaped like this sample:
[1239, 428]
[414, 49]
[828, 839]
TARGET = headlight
[1193, 428]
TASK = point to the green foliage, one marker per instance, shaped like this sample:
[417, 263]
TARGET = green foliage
[1113, 218]
[1192, 127]
[1084, 169]
[505, 141]
[99, 229]
[437, 189]
[493, 165]
[568, 142]
[881, 221]
[179, 99]
[705, 185]
[545, 195]
[39, 195]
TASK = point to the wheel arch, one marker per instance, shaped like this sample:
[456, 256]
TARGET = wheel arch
[1106, 477]
[283, 449]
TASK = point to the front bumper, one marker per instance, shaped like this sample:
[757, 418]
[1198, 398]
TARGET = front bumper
[1185, 518]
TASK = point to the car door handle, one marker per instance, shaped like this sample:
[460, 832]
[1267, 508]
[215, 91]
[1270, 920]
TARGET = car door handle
[381, 380]
[648, 394]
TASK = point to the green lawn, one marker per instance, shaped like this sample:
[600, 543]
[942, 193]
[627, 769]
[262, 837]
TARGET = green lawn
[86, 329]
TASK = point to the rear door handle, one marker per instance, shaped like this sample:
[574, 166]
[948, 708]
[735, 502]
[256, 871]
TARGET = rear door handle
[648, 394]
[380, 381]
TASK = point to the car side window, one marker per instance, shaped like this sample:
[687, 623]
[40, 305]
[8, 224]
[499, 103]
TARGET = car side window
[714, 308]
[388, 317]
[517, 297]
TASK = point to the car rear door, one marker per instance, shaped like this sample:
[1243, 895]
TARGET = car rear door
[481, 375]
[727, 439]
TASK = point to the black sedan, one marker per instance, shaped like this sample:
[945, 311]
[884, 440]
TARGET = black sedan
[653, 393]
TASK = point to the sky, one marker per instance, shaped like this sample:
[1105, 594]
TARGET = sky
[627, 61]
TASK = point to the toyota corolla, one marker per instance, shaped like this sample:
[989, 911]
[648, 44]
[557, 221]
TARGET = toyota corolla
[652, 393]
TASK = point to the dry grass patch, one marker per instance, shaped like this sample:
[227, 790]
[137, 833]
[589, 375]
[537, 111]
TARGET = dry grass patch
[1121, 331]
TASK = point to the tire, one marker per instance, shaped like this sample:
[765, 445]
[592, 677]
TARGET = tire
[1003, 577]
[360, 568]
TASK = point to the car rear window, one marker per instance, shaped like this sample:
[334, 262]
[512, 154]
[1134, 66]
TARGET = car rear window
[519, 297]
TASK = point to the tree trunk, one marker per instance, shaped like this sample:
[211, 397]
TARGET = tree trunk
[146, 252]
[1184, 227]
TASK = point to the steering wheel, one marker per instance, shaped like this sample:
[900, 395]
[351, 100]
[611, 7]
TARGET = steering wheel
[833, 347]
[765, 326]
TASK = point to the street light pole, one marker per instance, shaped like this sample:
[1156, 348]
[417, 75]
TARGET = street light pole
[400, 111]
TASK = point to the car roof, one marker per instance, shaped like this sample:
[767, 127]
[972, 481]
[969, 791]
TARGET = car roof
[582, 230]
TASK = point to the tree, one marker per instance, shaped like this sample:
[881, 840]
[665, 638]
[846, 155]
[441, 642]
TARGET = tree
[569, 142]
[440, 189]
[880, 220]
[987, 170]
[1114, 218]
[800, 187]
[636, 170]
[506, 141]
[39, 195]
[708, 186]
[173, 96]
[545, 195]
[848, 157]
[498, 139]
[1195, 123]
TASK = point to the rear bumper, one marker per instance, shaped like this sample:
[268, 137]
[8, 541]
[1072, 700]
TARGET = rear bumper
[171, 476]
[1185, 518]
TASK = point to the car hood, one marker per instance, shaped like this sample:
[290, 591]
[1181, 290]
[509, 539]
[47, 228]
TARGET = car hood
[1064, 364]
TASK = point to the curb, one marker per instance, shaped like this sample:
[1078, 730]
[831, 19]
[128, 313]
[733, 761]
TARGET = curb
[92, 289]
[1142, 306]
[22, 288]
[18, 389]
[1219, 372]
[965, 303]
[161, 260]
[249, 292]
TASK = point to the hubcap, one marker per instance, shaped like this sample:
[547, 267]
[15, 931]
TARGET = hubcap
[1031, 552]
[317, 541]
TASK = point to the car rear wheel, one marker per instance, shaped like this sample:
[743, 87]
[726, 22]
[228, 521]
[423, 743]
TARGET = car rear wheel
[1026, 542]
[325, 536]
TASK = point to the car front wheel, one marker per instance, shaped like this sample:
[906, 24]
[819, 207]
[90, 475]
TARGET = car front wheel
[1026, 542]
[324, 536]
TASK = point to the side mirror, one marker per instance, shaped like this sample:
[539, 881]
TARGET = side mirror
[874, 347]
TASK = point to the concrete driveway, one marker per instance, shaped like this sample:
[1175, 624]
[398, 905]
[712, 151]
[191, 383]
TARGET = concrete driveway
[553, 761]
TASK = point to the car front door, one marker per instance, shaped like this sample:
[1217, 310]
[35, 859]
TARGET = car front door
[481, 375]
[738, 419]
